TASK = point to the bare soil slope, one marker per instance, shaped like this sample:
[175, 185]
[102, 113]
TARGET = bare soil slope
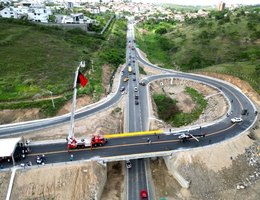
[4, 182]
[73, 181]
[115, 182]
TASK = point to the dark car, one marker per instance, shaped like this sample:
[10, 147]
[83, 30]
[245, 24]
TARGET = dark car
[134, 79]
[244, 112]
[128, 164]
[136, 96]
[142, 83]
[41, 159]
[136, 102]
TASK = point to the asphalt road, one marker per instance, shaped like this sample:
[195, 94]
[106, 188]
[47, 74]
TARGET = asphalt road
[136, 175]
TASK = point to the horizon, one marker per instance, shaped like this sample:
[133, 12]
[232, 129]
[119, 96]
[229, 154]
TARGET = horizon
[192, 2]
[200, 2]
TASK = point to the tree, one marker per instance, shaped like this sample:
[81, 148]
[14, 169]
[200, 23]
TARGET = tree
[161, 30]
[257, 70]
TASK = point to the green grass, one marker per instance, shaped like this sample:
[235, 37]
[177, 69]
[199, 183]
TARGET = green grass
[142, 71]
[244, 70]
[36, 59]
[168, 111]
[200, 43]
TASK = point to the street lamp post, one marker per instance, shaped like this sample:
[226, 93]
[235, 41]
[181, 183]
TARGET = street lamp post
[52, 100]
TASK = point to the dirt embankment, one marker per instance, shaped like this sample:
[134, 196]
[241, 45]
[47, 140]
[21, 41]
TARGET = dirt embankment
[72, 181]
[114, 187]
[110, 121]
[4, 182]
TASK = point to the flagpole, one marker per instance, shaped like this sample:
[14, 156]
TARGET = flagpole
[71, 131]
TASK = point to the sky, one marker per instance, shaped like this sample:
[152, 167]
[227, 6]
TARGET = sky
[201, 2]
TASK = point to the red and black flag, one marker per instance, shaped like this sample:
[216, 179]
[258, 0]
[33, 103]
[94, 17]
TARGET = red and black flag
[82, 79]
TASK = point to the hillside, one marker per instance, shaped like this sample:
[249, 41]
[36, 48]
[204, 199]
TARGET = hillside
[227, 37]
[36, 60]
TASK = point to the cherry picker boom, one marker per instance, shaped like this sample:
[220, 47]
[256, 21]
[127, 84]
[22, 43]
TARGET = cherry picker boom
[73, 143]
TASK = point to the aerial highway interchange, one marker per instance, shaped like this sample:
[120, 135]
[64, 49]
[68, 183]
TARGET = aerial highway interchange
[137, 115]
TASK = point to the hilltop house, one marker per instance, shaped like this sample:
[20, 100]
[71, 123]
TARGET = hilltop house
[39, 14]
[77, 18]
[9, 12]
[36, 14]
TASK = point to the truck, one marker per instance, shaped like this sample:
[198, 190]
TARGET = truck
[129, 69]
[94, 141]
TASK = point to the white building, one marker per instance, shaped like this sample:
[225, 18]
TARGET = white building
[9, 12]
[77, 18]
[39, 14]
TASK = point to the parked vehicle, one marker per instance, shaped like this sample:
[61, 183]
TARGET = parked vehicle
[96, 140]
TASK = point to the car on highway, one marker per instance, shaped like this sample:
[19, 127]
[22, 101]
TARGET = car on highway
[122, 89]
[40, 159]
[143, 194]
[126, 79]
[142, 83]
[128, 164]
[236, 120]
[134, 79]
[135, 89]
[136, 96]
[136, 102]
[244, 112]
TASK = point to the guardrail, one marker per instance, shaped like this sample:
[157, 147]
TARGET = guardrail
[132, 134]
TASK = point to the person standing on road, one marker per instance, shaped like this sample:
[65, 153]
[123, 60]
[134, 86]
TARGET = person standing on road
[71, 157]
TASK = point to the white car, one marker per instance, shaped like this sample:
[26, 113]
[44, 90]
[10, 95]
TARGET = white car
[136, 89]
[236, 120]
